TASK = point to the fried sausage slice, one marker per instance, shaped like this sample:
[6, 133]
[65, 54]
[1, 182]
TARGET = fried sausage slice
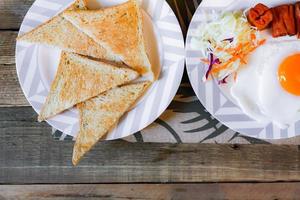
[278, 26]
[260, 16]
[297, 17]
[284, 21]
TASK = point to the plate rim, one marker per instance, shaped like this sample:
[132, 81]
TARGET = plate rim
[269, 127]
[179, 69]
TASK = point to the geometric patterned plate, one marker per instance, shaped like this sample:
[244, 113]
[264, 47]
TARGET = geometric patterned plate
[216, 99]
[36, 66]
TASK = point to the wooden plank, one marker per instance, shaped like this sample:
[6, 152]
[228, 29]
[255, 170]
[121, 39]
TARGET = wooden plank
[10, 91]
[263, 191]
[12, 13]
[7, 47]
[28, 154]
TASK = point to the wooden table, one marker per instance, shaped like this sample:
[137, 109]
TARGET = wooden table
[34, 166]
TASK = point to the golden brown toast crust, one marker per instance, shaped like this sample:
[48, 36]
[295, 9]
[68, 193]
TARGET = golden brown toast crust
[59, 32]
[118, 29]
[98, 115]
[79, 79]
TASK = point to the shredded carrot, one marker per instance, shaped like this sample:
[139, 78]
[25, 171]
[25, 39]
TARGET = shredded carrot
[204, 60]
[243, 61]
[262, 42]
[253, 36]
[216, 70]
[240, 46]
[235, 76]
[239, 53]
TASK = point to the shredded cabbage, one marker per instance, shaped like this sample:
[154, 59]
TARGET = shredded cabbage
[228, 37]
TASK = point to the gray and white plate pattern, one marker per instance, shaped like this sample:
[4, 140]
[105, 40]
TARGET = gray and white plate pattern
[209, 93]
[30, 68]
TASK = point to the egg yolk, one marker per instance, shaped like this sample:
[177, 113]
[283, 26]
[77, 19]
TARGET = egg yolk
[289, 74]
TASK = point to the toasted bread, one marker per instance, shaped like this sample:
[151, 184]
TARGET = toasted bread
[78, 79]
[98, 115]
[59, 32]
[78, 4]
[118, 29]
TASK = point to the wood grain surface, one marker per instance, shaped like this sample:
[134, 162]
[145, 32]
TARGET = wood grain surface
[12, 13]
[10, 91]
[243, 191]
[7, 46]
[28, 154]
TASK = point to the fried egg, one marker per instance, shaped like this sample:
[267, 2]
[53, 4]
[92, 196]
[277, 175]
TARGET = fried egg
[268, 88]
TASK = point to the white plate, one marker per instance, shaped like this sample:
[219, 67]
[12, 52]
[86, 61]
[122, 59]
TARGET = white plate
[37, 64]
[217, 99]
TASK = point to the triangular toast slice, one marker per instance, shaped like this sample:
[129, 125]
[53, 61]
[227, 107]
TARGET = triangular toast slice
[59, 32]
[98, 115]
[118, 29]
[79, 79]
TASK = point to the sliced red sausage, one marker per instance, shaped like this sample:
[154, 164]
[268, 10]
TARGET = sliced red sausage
[297, 17]
[278, 25]
[260, 16]
[284, 21]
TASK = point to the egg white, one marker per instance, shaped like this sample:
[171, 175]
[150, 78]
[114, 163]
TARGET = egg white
[277, 104]
[258, 91]
[245, 90]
